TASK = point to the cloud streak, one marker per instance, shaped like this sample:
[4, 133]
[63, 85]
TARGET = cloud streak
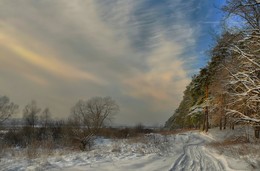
[140, 52]
[50, 64]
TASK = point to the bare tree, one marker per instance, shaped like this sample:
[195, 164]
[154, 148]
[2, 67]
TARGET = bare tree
[243, 85]
[247, 11]
[7, 108]
[45, 117]
[244, 81]
[30, 114]
[45, 121]
[92, 115]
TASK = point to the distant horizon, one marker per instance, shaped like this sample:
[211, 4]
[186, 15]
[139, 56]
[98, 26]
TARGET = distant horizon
[11, 120]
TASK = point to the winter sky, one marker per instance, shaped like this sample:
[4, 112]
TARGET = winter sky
[142, 53]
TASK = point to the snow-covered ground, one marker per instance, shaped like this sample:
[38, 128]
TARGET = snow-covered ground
[184, 151]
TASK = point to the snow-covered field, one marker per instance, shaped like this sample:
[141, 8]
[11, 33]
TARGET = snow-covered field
[184, 151]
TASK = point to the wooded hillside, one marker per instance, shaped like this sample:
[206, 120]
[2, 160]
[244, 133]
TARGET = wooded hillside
[227, 90]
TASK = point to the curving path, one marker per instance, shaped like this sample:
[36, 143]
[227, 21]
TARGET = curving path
[195, 157]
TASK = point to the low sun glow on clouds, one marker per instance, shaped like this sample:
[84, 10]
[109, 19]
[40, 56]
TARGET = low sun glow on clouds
[139, 52]
[165, 74]
[51, 65]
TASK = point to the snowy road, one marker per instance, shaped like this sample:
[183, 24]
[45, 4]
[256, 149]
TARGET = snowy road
[195, 157]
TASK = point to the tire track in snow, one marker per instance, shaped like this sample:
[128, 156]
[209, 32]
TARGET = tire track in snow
[194, 157]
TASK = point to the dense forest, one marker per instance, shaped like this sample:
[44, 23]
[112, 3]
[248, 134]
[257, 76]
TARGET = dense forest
[226, 91]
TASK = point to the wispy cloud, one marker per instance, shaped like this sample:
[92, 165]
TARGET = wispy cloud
[139, 52]
[165, 73]
[52, 65]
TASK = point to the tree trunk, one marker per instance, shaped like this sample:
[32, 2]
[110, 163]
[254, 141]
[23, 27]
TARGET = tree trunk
[225, 122]
[220, 124]
[207, 119]
[256, 133]
[204, 123]
[232, 126]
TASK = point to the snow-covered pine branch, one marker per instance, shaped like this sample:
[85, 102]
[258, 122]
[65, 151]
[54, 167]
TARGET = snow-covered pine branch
[243, 85]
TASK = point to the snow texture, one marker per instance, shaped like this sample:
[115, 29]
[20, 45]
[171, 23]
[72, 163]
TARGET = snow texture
[180, 152]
